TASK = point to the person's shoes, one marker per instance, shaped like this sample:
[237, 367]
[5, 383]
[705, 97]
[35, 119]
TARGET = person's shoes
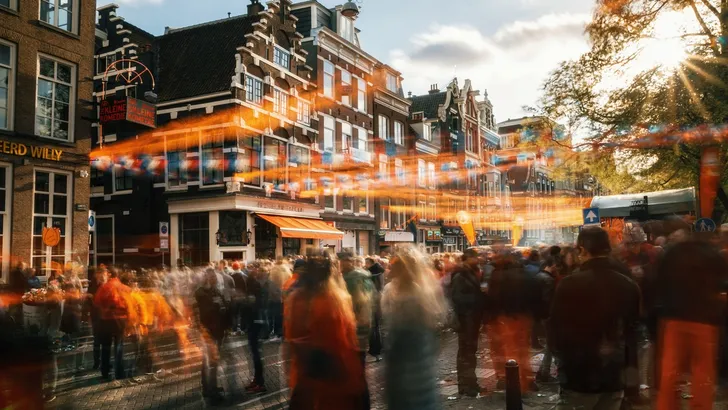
[472, 392]
[379, 358]
[500, 384]
[274, 339]
[251, 385]
[257, 389]
[49, 398]
[546, 378]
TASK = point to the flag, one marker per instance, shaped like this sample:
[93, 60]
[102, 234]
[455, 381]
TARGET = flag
[466, 224]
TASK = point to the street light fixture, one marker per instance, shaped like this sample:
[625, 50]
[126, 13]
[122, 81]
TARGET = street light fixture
[220, 237]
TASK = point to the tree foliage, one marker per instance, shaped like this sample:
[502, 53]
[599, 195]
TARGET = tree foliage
[617, 105]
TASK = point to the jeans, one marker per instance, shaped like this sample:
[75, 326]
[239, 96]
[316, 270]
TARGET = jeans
[112, 331]
[254, 345]
[275, 311]
[467, 346]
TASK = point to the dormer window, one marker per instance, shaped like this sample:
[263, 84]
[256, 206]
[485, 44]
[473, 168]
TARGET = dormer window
[392, 83]
[346, 28]
[281, 57]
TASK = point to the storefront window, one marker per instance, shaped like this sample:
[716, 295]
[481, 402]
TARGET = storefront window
[233, 228]
[194, 247]
[265, 239]
[176, 160]
[274, 161]
[249, 148]
[212, 158]
[291, 246]
[5, 175]
[51, 207]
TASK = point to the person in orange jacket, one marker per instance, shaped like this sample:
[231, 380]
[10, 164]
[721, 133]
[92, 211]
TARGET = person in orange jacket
[112, 300]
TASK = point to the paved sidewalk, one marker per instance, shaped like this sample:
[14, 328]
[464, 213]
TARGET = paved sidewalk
[180, 389]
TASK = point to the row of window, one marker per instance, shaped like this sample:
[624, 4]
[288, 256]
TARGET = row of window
[346, 91]
[254, 94]
[55, 95]
[58, 13]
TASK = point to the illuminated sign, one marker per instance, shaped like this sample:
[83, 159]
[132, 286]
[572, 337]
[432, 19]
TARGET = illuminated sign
[128, 109]
[23, 150]
[433, 235]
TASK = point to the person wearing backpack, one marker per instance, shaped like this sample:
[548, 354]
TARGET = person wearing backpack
[468, 299]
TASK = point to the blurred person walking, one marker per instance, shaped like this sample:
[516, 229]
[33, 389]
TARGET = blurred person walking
[71, 317]
[97, 277]
[280, 273]
[593, 328]
[256, 302]
[240, 279]
[514, 297]
[112, 300]
[375, 335]
[413, 304]
[690, 303]
[546, 281]
[468, 299]
[326, 372]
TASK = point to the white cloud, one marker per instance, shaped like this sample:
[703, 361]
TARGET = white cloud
[511, 64]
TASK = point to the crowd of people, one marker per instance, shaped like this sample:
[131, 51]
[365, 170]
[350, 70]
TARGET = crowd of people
[594, 304]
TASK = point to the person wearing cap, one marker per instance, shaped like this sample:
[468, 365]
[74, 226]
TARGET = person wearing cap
[361, 288]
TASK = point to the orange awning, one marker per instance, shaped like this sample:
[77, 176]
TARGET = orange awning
[303, 228]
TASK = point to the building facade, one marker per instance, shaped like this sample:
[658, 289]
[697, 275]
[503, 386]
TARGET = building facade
[228, 165]
[46, 55]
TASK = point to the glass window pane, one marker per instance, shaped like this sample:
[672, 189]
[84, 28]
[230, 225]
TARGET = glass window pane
[45, 107]
[66, 4]
[42, 181]
[64, 72]
[44, 126]
[60, 183]
[4, 52]
[39, 222]
[60, 130]
[47, 68]
[45, 88]
[60, 111]
[60, 205]
[60, 223]
[3, 89]
[63, 93]
[41, 203]
[3, 118]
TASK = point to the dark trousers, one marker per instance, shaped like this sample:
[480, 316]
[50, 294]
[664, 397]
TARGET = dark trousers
[210, 362]
[96, 329]
[467, 347]
[112, 331]
[254, 345]
[375, 335]
[366, 401]
[275, 310]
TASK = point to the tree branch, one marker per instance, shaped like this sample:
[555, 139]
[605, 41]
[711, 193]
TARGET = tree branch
[706, 29]
[711, 8]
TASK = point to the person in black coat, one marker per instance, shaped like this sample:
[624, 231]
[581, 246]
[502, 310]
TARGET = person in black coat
[468, 301]
[375, 335]
[211, 312]
[256, 302]
[593, 328]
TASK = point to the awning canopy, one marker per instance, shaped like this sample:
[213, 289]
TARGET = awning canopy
[303, 228]
[673, 201]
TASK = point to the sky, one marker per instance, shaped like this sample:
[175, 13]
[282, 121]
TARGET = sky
[505, 47]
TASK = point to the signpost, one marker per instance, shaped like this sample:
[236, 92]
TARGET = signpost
[705, 225]
[163, 238]
[591, 217]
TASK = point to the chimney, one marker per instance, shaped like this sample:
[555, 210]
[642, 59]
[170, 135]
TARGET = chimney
[255, 7]
[434, 89]
[167, 29]
[409, 94]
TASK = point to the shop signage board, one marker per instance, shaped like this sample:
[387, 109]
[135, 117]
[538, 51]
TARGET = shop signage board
[449, 240]
[28, 150]
[399, 236]
[128, 109]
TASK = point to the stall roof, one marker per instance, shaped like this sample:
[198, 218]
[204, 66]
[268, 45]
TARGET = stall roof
[666, 202]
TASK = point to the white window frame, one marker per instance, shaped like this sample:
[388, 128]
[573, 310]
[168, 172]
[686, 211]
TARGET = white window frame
[354, 203]
[399, 133]
[113, 240]
[426, 131]
[361, 95]
[12, 6]
[71, 96]
[332, 193]
[56, 12]
[346, 81]
[421, 173]
[329, 82]
[363, 138]
[119, 168]
[69, 214]
[399, 171]
[183, 159]
[431, 175]
[281, 55]
[10, 103]
[383, 127]
[422, 206]
[7, 222]
[280, 101]
[332, 146]
[250, 89]
[385, 213]
[383, 167]
[347, 136]
[304, 112]
[432, 208]
[346, 30]
[392, 83]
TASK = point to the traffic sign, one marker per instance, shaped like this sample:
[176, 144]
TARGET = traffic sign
[590, 216]
[705, 225]
[164, 244]
[91, 221]
[164, 229]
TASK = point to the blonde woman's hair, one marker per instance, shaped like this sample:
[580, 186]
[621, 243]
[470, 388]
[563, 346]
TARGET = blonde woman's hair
[279, 274]
[414, 289]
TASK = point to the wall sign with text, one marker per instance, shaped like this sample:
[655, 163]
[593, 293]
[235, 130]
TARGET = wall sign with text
[128, 109]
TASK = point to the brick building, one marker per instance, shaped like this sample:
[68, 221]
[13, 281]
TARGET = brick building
[46, 57]
[235, 134]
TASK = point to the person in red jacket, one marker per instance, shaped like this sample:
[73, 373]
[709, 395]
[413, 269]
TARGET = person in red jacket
[112, 301]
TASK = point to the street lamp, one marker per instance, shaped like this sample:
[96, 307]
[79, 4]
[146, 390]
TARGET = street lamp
[220, 237]
[247, 236]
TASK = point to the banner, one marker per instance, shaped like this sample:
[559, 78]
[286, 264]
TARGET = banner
[709, 180]
[466, 224]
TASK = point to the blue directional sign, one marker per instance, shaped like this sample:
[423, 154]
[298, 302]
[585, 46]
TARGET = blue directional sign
[591, 216]
[705, 225]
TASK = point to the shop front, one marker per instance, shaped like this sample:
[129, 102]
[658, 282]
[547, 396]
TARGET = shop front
[388, 240]
[238, 227]
[43, 206]
[356, 236]
[453, 239]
